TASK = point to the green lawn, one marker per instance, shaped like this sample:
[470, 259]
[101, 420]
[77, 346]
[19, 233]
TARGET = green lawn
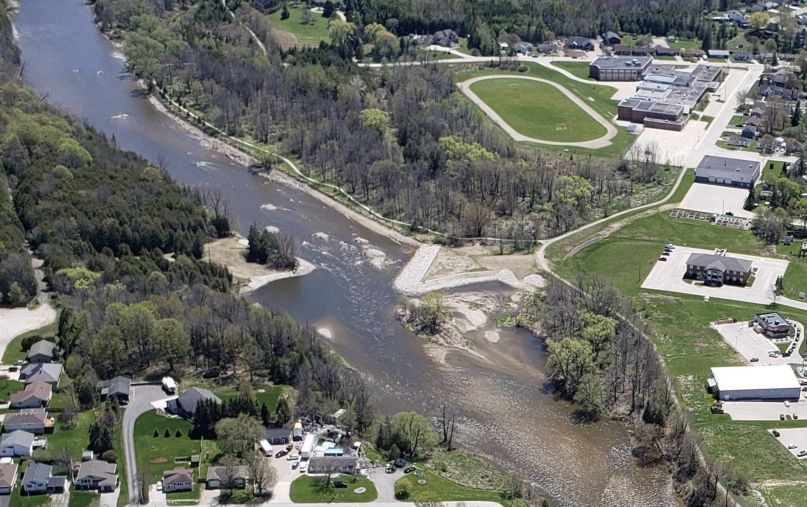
[684, 44]
[123, 497]
[439, 489]
[18, 499]
[9, 387]
[14, 350]
[302, 34]
[737, 120]
[156, 454]
[75, 439]
[82, 498]
[579, 69]
[269, 395]
[538, 110]
[311, 489]
[795, 280]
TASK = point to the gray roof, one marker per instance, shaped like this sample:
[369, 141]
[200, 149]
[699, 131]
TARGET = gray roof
[42, 347]
[621, 62]
[44, 372]
[19, 437]
[102, 470]
[37, 472]
[221, 473]
[329, 463]
[118, 385]
[27, 415]
[773, 319]
[610, 35]
[191, 398]
[719, 262]
[727, 167]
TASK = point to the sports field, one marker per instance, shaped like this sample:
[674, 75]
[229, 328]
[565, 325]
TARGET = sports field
[538, 110]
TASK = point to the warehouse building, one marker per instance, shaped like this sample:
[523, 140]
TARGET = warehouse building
[619, 68]
[735, 383]
[733, 172]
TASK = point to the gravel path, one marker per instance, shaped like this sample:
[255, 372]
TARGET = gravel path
[600, 142]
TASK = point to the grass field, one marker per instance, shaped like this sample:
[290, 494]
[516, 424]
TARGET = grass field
[579, 69]
[293, 32]
[684, 44]
[311, 489]
[76, 438]
[538, 110]
[439, 489]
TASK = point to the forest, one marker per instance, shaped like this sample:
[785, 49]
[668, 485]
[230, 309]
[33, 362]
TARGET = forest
[401, 140]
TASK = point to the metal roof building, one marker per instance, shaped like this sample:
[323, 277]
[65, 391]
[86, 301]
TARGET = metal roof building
[756, 383]
[734, 172]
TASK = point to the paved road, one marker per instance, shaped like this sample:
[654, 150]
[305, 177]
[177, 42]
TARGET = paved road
[140, 399]
[600, 142]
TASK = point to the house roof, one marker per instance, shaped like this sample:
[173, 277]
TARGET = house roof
[331, 462]
[191, 398]
[117, 385]
[29, 415]
[720, 262]
[8, 472]
[18, 437]
[222, 473]
[100, 470]
[740, 141]
[720, 53]
[578, 41]
[752, 120]
[746, 378]
[42, 372]
[277, 433]
[610, 35]
[37, 390]
[42, 347]
[37, 472]
[177, 475]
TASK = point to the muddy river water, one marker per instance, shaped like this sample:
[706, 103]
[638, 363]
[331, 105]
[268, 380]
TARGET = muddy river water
[505, 416]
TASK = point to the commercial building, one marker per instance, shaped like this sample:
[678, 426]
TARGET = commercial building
[733, 172]
[666, 96]
[619, 68]
[756, 383]
[714, 269]
[773, 325]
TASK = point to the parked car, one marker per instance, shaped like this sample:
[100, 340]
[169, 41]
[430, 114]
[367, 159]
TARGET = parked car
[787, 403]
[399, 463]
[389, 469]
[669, 246]
[281, 453]
[773, 354]
[775, 433]
[295, 464]
[802, 453]
[304, 467]
[662, 259]
[754, 359]
[781, 417]
[160, 486]
[665, 253]
[729, 214]
[409, 470]
[792, 446]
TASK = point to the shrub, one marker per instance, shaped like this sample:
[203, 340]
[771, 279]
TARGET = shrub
[167, 433]
[178, 434]
[402, 494]
[156, 433]
[109, 456]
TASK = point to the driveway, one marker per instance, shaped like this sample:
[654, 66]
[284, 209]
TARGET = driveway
[601, 142]
[141, 398]
[717, 199]
[749, 344]
[763, 410]
[793, 437]
[668, 276]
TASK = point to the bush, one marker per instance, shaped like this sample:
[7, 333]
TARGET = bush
[178, 434]
[522, 68]
[109, 456]
[167, 433]
[402, 494]
[156, 433]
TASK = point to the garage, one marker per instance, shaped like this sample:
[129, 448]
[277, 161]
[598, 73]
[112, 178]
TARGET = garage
[776, 382]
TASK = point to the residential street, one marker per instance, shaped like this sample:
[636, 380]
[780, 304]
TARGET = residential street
[141, 398]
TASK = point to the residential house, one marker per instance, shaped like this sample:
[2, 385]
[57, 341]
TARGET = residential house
[178, 479]
[716, 270]
[662, 51]
[611, 38]
[794, 146]
[187, 402]
[97, 475]
[719, 53]
[740, 142]
[523, 48]
[693, 53]
[117, 388]
[773, 325]
[749, 132]
[753, 121]
[278, 436]
[738, 19]
[39, 478]
[727, 171]
[333, 465]
[445, 38]
[8, 477]
[547, 49]
[35, 395]
[581, 43]
[227, 477]
[757, 110]
[17, 443]
[41, 352]
[33, 420]
[41, 372]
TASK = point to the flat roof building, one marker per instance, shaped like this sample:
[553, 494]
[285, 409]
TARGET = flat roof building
[733, 172]
[619, 68]
[776, 382]
[773, 325]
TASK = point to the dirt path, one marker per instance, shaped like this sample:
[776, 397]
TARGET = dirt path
[600, 142]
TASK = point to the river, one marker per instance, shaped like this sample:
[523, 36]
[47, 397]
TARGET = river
[505, 416]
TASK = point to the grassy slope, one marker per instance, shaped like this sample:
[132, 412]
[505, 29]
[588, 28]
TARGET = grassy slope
[538, 110]
[307, 35]
[437, 488]
[579, 69]
[687, 343]
[310, 489]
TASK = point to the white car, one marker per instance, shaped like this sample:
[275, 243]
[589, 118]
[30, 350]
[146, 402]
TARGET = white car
[303, 467]
[160, 486]
[792, 446]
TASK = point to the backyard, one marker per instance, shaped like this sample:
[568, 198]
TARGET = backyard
[293, 31]
[425, 485]
[312, 489]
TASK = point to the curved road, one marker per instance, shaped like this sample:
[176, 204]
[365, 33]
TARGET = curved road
[600, 142]
[141, 398]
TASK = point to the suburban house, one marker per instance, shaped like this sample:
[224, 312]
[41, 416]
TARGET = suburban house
[773, 325]
[523, 48]
[34, 420]
[41, 352]
[582, 43]
[619, 68]
[611, 38]
[35, 395]
[17, 443]
[749, 132]
[117, 388]
[39, 478]
[278, 436]
[776, 382]
[98, 475]
[740, 141]
[718, 53]
[227, 477]
[727, 171]
[187, 402]
[662, 51]
[333, 464]
[716, 270]
[445, 38]
[738, 19]
[8, 477]
[178, 479]
[41, 372]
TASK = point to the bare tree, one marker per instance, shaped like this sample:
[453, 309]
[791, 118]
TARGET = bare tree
[262, 474]
[447, 421]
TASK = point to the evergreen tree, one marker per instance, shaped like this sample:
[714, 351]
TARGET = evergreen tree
[283, 411]
[795, 118]
[284, 13]
[264, 414]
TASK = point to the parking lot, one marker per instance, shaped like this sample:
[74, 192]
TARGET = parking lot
[764, 410]
[750, 344]
[790, 437]
[669, 276]
[717, 199]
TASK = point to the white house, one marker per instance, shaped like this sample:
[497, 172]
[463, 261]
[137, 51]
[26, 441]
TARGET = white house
[17, 443]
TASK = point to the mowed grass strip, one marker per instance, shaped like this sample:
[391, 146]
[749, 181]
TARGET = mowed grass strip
[538, 110]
